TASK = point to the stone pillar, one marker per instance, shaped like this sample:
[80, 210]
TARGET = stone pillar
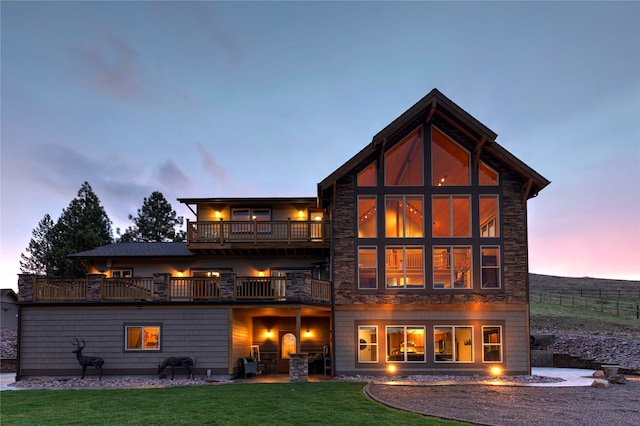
[94, 287]
[299, 368]
[161, 286]
[227, 283]
[26, 287]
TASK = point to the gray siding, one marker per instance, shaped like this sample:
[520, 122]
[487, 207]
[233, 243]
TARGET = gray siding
[47, 335]
[515, 340]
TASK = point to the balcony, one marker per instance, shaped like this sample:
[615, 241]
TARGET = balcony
[295, 287]
[292, 236]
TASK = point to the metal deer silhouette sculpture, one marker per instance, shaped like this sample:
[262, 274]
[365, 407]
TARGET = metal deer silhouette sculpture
[173, 362]
[85, 361]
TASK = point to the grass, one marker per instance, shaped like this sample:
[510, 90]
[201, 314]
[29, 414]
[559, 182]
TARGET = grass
[241, 404]
[568, 318]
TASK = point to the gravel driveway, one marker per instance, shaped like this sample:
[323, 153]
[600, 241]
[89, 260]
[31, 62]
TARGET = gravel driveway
[518, 405]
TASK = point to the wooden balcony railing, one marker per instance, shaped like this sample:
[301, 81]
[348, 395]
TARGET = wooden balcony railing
[284, 231]
[194, 288]
[260, 288]
[57, 290]
[127, 288]
[97, 288]
[320, 290]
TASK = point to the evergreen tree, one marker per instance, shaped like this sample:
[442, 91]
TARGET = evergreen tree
[83, 225]
[156, 222]
[38, 257]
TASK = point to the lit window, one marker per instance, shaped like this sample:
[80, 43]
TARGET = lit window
[367, 267]
[453, 343]
[367, 343]
[403, 216]
[404, 267]
[489, 225]
[490, 261]
[142, 338]
[403, 162]
[488, 176]
[452, 267]
[492, 344]
[451, 215]
[405, 343]
[367, 177]
[367, 216]
[449, 161]
[121, 273]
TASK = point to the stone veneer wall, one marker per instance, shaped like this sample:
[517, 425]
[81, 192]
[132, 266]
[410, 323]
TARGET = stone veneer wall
[514, 251]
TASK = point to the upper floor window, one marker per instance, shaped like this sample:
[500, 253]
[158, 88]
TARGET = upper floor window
[367, 267]
[490, 264]
[403, 216]
[449, 161]
[121, 273]
[367, 216]
[452, 267]
[451, 215]
[405, 267]
[367, 177]
[489, 225]
[403, 165]
[487, 176]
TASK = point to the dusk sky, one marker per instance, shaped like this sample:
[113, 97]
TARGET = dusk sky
[245, 99]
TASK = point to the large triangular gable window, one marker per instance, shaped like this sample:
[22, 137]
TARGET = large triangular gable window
[450, 161]
[403, 165]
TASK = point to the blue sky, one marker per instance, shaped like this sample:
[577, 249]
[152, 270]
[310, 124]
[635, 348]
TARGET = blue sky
[215, 99]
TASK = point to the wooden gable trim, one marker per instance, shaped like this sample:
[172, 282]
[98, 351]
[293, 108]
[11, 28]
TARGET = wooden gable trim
[476, 153]
[526, 191]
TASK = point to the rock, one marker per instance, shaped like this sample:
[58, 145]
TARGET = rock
[599, 374]
[599, 383]
[617, 379]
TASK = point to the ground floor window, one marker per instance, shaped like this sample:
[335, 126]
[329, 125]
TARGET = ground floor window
[142, 338]
[453, 343]
[405, 343]
[368, 343]
[492, 343]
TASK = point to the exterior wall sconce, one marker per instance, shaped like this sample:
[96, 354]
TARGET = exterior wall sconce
[268, 334]
[218, 214]
[307, 333]
[261, 273]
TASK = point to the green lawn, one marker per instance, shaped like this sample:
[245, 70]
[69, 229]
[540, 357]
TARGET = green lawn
[243, 404]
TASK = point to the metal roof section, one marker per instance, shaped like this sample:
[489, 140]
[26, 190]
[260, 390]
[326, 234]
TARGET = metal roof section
[136, 250]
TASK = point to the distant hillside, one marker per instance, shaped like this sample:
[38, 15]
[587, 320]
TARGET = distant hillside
[552, 283]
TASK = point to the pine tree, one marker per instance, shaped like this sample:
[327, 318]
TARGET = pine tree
[38, 257]
[156, 222]
[83, 225]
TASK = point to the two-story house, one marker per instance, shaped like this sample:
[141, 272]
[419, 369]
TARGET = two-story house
[413, 255]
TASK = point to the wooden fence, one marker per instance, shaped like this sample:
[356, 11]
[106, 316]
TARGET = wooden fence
[618, 303]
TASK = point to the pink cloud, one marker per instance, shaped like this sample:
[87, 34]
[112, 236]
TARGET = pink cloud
[110, 65]
[211, 165]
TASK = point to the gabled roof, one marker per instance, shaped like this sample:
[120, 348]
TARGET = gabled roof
[435, 103]
[136, 250]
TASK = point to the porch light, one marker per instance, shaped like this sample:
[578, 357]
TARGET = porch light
[218, 214]
[269, 334]
[300, 214]
[261, 273]
[307, 333]
[496, 372]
